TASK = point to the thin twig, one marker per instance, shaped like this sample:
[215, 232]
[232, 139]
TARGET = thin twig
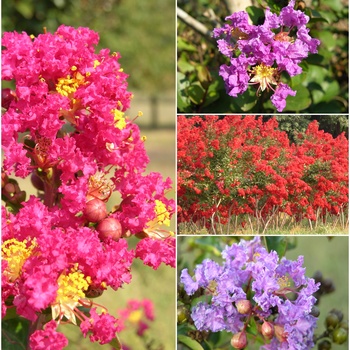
[196, 25]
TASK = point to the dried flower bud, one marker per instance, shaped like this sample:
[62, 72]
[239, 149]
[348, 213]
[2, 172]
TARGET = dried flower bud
[110, 228]
[239, 340]
[95, 210]
[243, 306]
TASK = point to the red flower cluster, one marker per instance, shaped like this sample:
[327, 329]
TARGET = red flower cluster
[234, 166]
[64, 125]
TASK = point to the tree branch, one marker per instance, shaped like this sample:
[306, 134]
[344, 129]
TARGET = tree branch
[196, 25]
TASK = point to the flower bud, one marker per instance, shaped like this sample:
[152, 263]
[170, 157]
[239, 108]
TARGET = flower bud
[344, 324]
[328, 285]
[338, 313]
[281, 335]
[325, 345]
[239, 340]
[243, 306]
[340, 335]
[95, 210]
[10, 188]
[332, 321]
[267, 330]
[37, 182]
[7, 96]
[315, 311]
[110, 228]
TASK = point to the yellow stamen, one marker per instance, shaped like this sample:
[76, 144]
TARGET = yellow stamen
[16, 253]
[71, 288]
[135, 316]
[264, 75]
[67, 86]
[119, 119]
[283, 282]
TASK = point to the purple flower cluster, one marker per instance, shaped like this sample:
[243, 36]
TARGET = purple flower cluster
[260, 53]
[277, 290]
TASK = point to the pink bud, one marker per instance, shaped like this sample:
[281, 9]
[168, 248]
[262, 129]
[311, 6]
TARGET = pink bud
[243, 306]
[95, 210]
[110, 228]
[281, 335]
[239, 340]
[267, 330]
[7, 96]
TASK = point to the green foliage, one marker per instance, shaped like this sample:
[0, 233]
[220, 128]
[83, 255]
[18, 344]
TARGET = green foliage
[14, 333]
[142, 31]
[321, 88]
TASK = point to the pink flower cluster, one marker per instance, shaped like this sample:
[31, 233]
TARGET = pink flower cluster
[65, 126]
[137, 313]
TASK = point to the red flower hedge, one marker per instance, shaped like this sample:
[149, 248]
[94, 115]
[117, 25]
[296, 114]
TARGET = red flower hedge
[237, 165]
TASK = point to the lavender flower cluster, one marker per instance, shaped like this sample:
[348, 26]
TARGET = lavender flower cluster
[260, 53]
[254, 285]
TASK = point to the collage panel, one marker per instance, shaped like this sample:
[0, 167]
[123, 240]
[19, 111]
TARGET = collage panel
[262, 56]
[268, 174]
[88, 175]
[262, 292]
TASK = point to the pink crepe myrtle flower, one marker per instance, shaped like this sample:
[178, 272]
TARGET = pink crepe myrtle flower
[259, 54]
[103, 327]
[48, 338]
[138, 313]
[65, 125]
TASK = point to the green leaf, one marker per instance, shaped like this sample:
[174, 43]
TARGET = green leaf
[183, 44]
[291, 243]
[189, 342]
[195, 93]
[327, 39]
[329, 107]
[335, 5]
[255, 13]
[115, 343]
[212, 94]
[184, 328]
[25, 8]
[247, 100]
[207, 345]
[183, 65]
[300, 101]
[252, 327]
[276, 6]
[315, 16]
[276, 243]
[204, 76]
[323, 87]
[183, 102]
[14, 334]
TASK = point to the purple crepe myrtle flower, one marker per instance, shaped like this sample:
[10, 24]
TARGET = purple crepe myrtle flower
[277, 289]
[259, 54]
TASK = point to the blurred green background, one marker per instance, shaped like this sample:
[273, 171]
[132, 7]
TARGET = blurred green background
[330, 255]
[144, 33]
